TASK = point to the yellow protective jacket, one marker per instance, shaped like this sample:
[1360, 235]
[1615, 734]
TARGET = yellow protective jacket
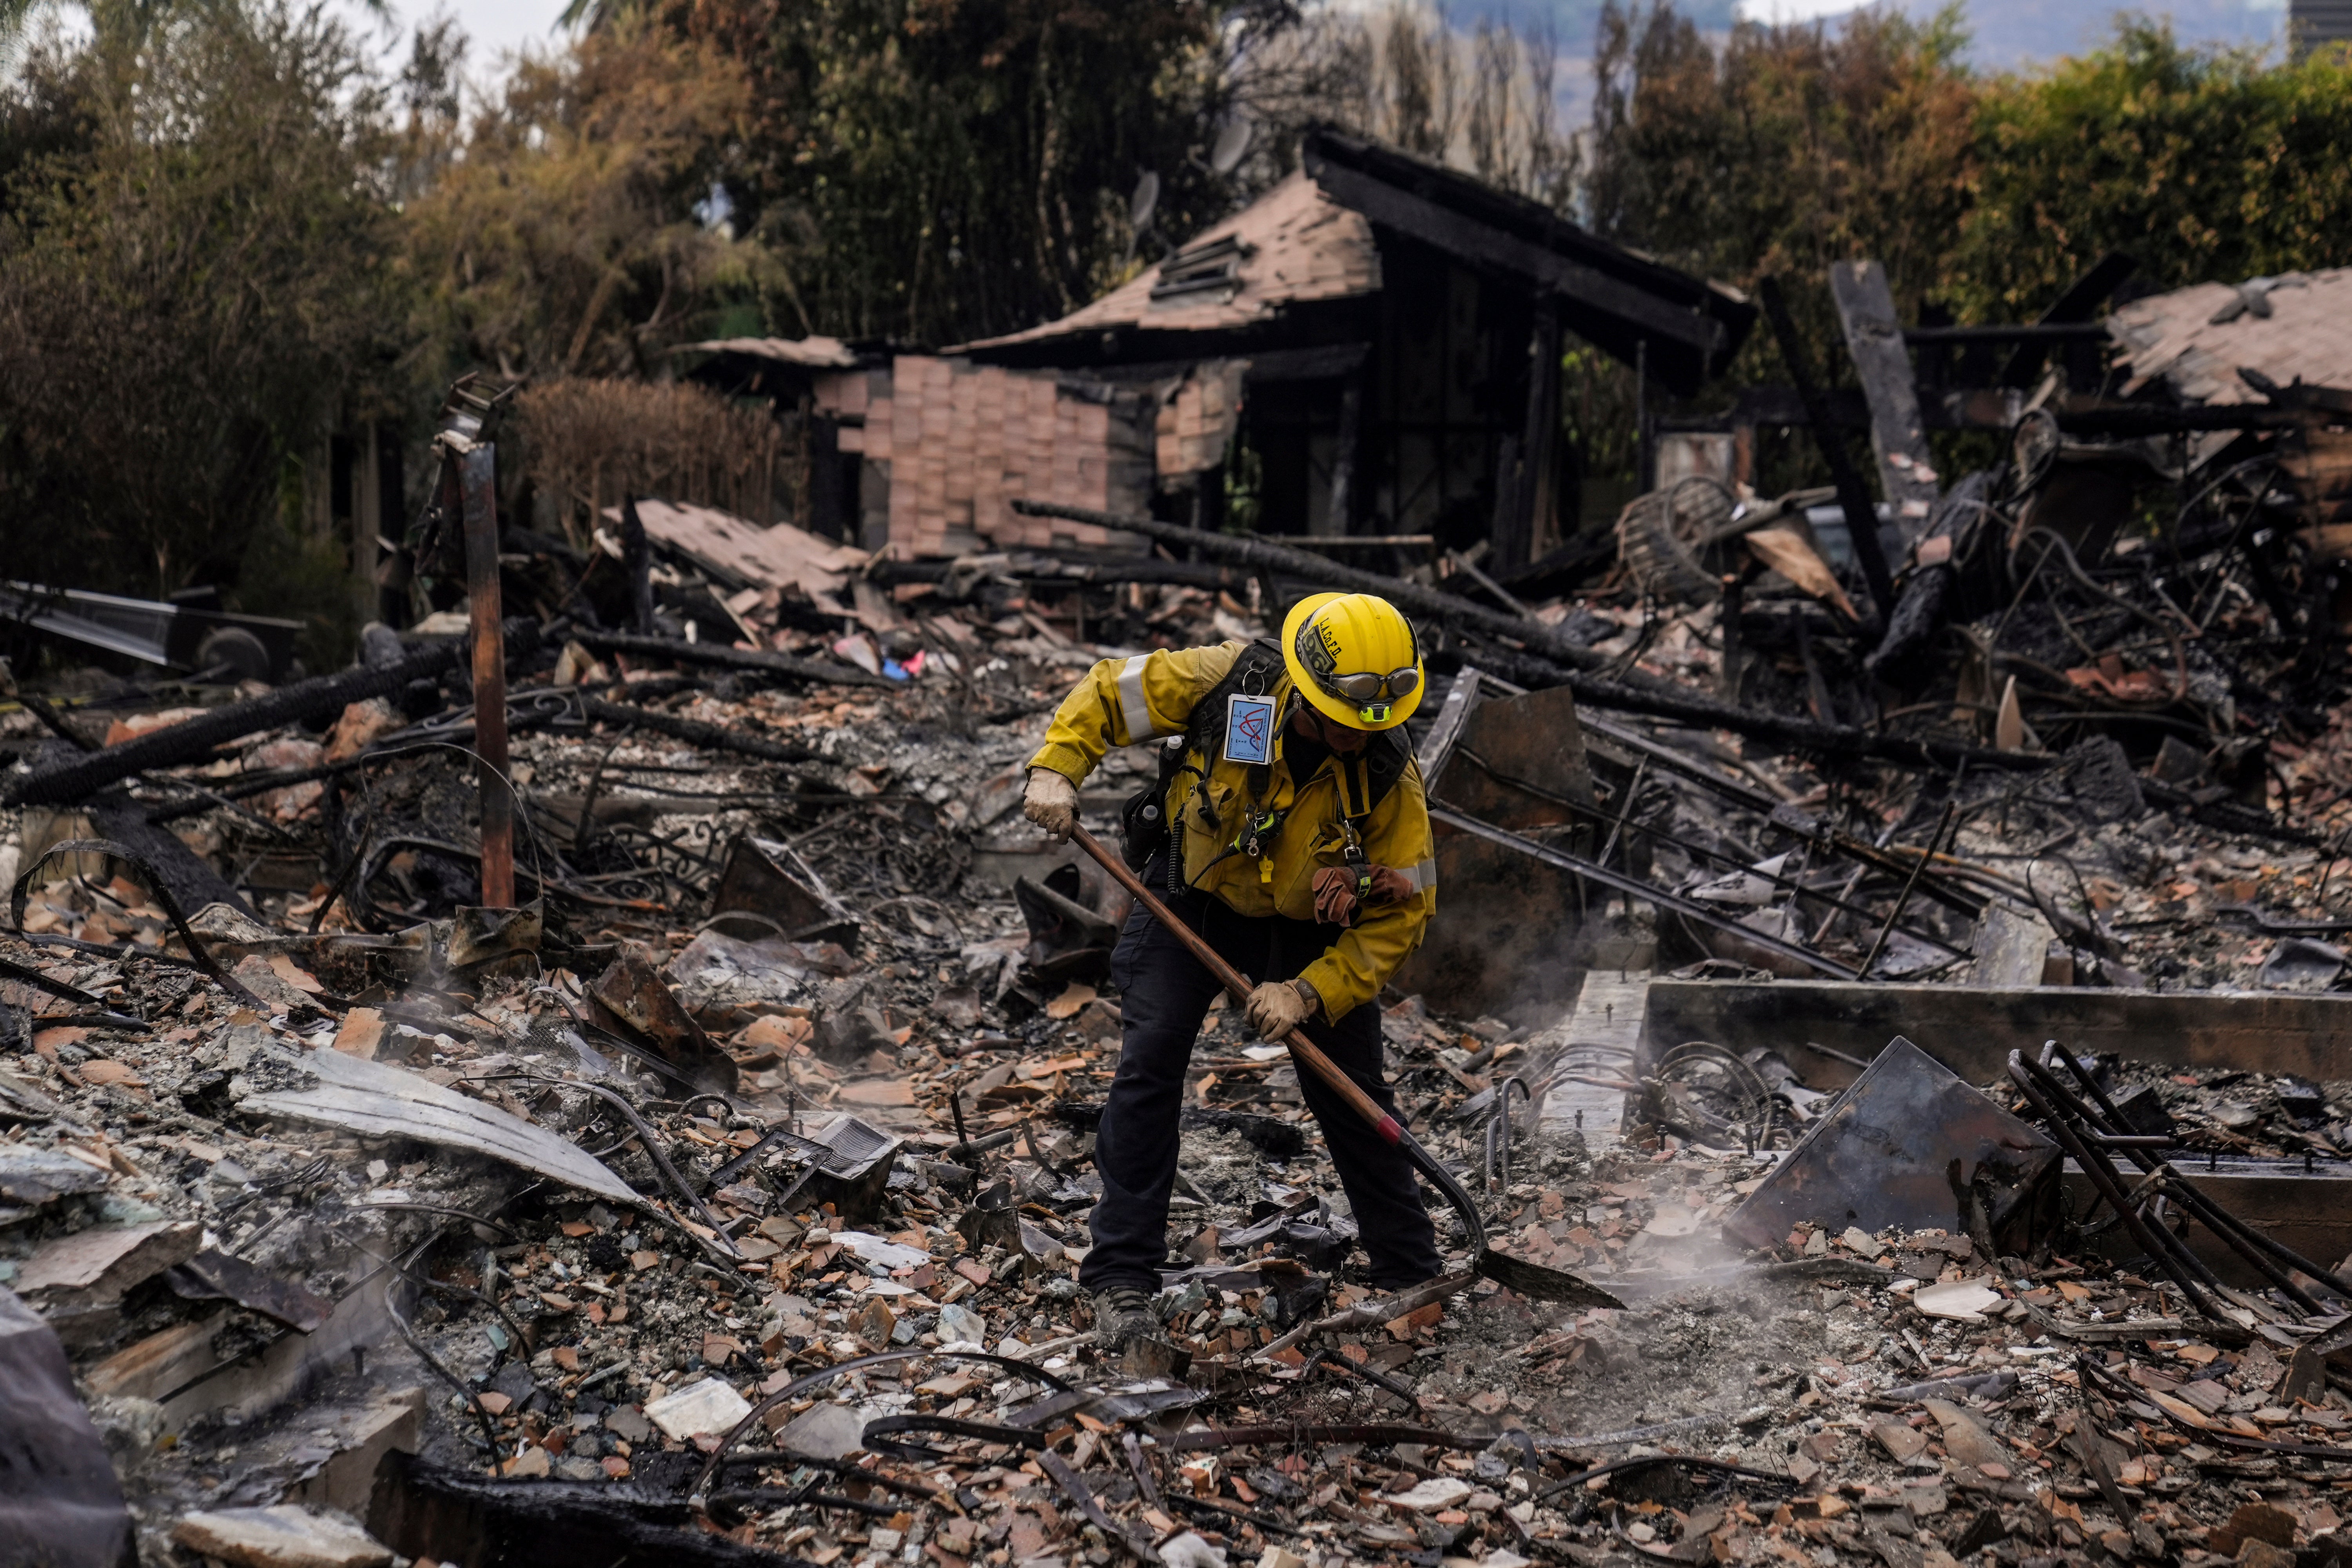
[1131, 701]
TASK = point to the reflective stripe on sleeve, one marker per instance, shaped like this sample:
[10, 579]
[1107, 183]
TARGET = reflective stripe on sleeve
[1423, 876]
[1133, 710]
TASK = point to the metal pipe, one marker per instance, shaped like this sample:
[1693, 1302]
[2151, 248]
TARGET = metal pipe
[2159, 1244]
[2027, 332]
[1690, 909]
[1942, 823]
[2247, 1241]
[723, 1248]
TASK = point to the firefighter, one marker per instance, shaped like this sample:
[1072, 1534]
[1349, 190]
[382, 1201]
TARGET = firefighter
[1287, 825]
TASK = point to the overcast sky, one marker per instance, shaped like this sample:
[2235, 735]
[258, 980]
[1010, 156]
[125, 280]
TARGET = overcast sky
[497, 28]
[1793, 10]
[504, 26]
[2008, 32]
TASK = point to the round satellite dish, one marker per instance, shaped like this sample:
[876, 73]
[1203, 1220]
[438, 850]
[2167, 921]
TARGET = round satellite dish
[1232, 141]
[1141, 206]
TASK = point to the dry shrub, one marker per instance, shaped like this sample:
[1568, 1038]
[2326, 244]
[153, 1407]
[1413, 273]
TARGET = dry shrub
[194, 281]
[591, 443]
[565, 241]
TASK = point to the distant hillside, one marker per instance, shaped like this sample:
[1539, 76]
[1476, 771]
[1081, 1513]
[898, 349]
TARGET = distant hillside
[1572, 21]
[2008, 33]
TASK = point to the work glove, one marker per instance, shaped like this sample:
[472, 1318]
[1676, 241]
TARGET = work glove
[1278, 1006]
[1051, 801]
[1335, 892]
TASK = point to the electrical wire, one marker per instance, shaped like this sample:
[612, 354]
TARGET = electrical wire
[415, 1343]
[720, 1247]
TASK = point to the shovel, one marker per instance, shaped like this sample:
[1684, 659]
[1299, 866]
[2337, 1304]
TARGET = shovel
[1530, 1279]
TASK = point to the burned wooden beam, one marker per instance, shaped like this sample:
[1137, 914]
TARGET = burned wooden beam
[1539, 446]
[1906, 471]
[2029, 332]
[1260, 554]
[306, 702]
[1919, 613]
[712, 656]
[1681, 703]
[695, 731]
[2071, 313]
[2129, 419]
[1989, 408]
[426, 1510]
[1386, 204]
[1861, 517]
[1048, 571]
[636, 566]
[474, 473]
[189, 877]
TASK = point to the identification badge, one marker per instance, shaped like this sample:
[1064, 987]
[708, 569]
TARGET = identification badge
[1249, 728]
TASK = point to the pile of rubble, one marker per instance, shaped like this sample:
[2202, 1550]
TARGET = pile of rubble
[730, 1198]
[724, 1196]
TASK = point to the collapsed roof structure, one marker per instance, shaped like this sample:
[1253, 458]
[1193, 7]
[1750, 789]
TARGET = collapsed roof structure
[1363, 339]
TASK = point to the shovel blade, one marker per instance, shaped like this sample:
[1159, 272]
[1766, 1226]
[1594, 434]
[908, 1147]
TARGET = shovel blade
[1539, 1283]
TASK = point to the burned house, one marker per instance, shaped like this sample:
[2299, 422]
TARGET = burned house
[682, 1154]
[1362, 350]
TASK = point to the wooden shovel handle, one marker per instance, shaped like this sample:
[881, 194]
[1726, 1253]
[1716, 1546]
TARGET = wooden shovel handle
[1232, 979]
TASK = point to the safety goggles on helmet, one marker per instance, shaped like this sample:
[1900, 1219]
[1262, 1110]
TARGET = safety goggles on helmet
[1371, 695]
[1361, 689]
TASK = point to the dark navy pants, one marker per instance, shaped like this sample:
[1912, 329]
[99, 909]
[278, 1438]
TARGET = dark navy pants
[1165, 992]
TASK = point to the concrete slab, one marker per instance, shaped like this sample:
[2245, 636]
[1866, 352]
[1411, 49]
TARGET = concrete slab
[280, 1538]
[1611, 1012]
[361, 1437]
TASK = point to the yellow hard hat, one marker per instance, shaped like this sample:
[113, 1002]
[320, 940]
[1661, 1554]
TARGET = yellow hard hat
[1355, 658]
